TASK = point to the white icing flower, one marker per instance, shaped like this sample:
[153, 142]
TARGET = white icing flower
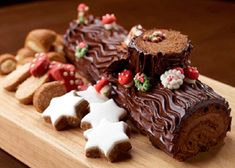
[172, 79]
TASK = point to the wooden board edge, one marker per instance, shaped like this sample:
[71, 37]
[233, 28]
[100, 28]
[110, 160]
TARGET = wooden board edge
[26, 146]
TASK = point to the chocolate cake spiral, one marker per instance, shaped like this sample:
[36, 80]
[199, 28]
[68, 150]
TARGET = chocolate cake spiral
[183, 122]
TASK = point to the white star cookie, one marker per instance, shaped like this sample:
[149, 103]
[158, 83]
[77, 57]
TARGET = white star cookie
[92, 96]
[107, 139]
[66, 111]
[98, 111]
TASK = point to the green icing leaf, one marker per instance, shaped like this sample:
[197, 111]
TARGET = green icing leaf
[81, 52]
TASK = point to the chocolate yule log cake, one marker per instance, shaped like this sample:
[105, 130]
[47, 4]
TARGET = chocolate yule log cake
[152, 78]
[183, 117]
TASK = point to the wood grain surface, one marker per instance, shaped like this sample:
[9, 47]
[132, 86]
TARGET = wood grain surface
[210, 25]
[27, 137]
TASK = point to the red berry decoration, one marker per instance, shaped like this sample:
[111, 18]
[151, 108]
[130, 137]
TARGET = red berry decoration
[108, 19]
[65, 73]
[191, 74]
[140, 77]
[103, 86]
[40, 64]
[82, 45]
[125, 78]
[81, 49]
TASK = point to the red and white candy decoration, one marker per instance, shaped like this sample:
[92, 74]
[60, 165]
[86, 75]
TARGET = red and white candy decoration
[173, 78]
[82, 13]
[103, 87]
[82, 9]
[109, 21]
[125, 78]
[39, 65]
[65, 73]
[191, 74]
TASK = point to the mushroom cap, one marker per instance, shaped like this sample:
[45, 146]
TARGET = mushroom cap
[82, 7]
[108, 19]
[100, 84]
[191, 73]
[125, 77]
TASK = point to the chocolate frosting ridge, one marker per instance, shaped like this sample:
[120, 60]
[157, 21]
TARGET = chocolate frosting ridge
[105, 47]
[160, 112]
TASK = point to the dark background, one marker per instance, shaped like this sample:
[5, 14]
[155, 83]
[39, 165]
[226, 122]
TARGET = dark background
[210, 25]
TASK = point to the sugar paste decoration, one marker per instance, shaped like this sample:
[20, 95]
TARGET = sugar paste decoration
[109, 21]
[156, 36]
[142, 82]
[173, 78]
[81, 50]
[82, 13]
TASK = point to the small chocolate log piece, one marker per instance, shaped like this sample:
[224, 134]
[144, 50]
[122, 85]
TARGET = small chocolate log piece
[40, 40]
[158, 50]
[25, 55]
[7, 64]
[180, 122]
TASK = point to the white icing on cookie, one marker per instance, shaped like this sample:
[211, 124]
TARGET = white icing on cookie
[107, 110]
[105, 136]
[62, 106]
[92, 96]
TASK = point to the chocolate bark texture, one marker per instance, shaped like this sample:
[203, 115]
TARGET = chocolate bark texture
[106, 52]
[180, 122]
[155, 57]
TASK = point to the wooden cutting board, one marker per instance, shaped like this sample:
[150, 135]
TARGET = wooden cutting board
[27, 137]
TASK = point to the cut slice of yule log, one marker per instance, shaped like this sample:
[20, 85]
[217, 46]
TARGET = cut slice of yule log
[96, 47]
[164, 99]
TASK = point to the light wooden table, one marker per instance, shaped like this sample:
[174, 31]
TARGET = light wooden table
[24, 135]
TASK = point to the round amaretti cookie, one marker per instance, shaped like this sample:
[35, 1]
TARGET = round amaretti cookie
[45, 93]
[158, 50]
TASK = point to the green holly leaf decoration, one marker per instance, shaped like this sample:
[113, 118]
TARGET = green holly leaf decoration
[142, 85]
[81, 50]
